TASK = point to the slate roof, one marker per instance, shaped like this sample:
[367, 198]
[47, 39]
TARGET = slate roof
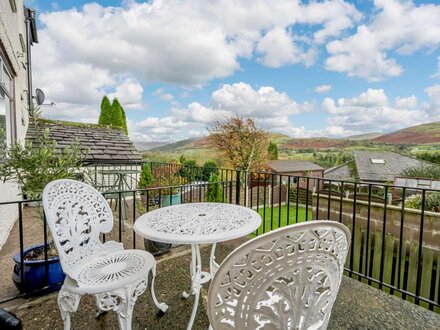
[340, 172]
[104, 144]
[394, 165]
[283, 166]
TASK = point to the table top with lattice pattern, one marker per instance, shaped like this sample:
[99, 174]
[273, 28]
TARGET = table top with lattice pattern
[197, 223]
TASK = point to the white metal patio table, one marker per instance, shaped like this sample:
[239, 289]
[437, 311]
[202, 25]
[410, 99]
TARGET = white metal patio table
[195, 224]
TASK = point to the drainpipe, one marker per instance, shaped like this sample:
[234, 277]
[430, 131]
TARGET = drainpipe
[31, 37]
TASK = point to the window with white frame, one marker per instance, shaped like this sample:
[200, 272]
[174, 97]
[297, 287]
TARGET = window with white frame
[6, 106]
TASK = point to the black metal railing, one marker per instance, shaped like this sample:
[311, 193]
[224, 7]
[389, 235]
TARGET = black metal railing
[395, 243]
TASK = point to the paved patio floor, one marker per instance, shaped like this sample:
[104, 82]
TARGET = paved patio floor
[358, 306]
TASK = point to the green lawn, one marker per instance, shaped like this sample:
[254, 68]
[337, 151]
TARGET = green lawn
[281, 220]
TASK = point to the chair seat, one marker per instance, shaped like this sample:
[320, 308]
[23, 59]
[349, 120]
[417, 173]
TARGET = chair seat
[111, 271]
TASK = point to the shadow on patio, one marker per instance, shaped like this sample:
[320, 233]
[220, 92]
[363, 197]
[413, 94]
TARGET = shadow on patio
[358, 306]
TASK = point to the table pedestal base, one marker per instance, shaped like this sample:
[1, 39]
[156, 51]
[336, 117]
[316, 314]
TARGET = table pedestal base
[199, 277]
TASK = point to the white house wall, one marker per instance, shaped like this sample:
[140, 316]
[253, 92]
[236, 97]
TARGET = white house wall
[12, 24]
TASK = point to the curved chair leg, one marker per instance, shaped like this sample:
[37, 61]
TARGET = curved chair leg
[67, 303]
[125, 312]
[121, 301]
[162, 306]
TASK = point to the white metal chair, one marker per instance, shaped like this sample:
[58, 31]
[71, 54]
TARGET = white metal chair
[77, 214]
[285, 279]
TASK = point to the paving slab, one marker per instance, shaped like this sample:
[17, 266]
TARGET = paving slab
[358, 305]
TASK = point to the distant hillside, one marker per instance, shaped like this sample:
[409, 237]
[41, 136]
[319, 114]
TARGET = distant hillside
[201, 143]
[367, 136]
[420, 134]
[179, 145]
[143, 146]
[314, 143]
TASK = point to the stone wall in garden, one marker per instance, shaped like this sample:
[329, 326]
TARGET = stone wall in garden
[392, 216]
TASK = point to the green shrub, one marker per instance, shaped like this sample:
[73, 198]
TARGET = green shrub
[146, 178]
[414, 202]
[209, 167]
[432, 202]
[215, 189]
[33, 167]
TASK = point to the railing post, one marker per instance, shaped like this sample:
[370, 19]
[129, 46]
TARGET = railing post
[237, 187]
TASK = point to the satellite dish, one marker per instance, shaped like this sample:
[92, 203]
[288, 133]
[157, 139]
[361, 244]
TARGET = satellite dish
[39, 96]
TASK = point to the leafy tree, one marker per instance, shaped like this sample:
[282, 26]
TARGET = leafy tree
[209, 167]
[272, 151]
[241, 143]
[215, 189]
[105, 117]
[34, 167]
[424, 171]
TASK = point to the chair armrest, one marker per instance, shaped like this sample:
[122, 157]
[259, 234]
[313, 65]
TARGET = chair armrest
[113, 246]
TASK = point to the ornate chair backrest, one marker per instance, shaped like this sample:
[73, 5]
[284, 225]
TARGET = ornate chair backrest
[285, 279]
[76, 213]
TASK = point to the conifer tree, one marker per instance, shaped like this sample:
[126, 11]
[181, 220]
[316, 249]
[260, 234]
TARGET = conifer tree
[124, 118]
[272, 151]
[118, 115]
[106, 112]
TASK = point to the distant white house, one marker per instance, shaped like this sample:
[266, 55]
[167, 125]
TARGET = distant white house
[14, 92]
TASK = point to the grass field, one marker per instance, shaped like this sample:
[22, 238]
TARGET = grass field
[281, 220]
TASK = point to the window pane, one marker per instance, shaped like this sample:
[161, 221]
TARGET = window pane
[7, 81]
[4, 122]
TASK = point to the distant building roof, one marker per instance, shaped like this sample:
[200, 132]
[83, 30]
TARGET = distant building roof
[382, 165]
[340, 172]
[104, 144]
[283, 166]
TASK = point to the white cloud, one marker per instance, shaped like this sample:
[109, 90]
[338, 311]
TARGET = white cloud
[398, 26]
[71, 112]
[129, 93]
[371, 112]
[244, 100]
[269, 108]
[434, 94]
[323, 89]
[94, 50]
[406, 102]
[278, 49]
[163, 95]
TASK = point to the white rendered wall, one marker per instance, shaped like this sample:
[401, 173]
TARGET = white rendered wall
[12, 24]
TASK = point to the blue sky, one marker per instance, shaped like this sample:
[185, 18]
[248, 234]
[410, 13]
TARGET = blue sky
[303, 68]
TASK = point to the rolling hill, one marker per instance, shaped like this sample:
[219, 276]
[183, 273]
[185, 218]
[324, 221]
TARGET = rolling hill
[202, 143]
[367, 136]
[420, 134]
[200, 150]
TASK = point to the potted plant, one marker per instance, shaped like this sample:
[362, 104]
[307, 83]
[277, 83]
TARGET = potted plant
[32, 168]
[169, 192]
